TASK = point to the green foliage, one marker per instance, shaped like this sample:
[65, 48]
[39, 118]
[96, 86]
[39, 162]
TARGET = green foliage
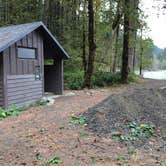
[14, 111]
[78, 120]
[160, 163]
[73, 80]
[63, 18]
[127, 138]
[40, 103]
[162, 59]
[9, 112]
[121, 160]
[133, 77]
[55, 160]
[143, 130]
[135, 132]
[38, 156]
[146, 59]
[102, 79]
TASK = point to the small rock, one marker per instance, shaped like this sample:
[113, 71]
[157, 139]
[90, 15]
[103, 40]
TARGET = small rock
[50, 101]
[70, 94]
[89, 93]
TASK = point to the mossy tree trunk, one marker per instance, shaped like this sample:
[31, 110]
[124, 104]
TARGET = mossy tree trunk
[92, 46]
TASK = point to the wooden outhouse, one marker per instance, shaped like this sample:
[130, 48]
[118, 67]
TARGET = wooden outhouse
[31, 63]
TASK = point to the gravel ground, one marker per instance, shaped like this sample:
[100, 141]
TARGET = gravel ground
[141, 106]
[41, 133]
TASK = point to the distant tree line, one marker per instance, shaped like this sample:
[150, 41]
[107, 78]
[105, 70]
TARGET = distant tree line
[161, 57]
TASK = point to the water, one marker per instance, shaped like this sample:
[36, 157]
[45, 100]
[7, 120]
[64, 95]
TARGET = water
[158, 75]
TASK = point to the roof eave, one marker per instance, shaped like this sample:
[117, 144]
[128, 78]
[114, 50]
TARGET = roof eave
[65, 55]
[38, 24]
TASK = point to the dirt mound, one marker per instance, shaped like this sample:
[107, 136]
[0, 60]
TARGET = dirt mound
[142, 106]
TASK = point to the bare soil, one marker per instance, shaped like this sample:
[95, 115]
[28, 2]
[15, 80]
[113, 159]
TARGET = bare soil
[47, 131]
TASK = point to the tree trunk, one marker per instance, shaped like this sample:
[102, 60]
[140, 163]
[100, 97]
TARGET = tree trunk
[92, 46]
[134, 56]
[115, 28]
[133, 19]
[140, 68]
[116, 49]
[126, 35]
[84, 60]
[141, 55]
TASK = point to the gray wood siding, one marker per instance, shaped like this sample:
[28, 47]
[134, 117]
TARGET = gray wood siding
[18, 66]
[23, 89]
[1, 81]
[1, 92]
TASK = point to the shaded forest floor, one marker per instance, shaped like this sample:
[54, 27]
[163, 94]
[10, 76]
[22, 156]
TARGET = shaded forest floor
[42, 133]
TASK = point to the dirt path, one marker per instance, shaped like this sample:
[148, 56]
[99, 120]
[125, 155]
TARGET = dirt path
[45, 132]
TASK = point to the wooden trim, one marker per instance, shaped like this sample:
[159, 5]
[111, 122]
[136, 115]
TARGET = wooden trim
[20, 76]
[5, 101]
[32, 48]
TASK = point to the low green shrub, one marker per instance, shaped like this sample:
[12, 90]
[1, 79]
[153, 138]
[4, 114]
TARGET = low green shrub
[54, 160]
[74, 80]
[135, 132]
[103, 79]
[133, 77]
[14, 111]
[78, 120]
[9, 112]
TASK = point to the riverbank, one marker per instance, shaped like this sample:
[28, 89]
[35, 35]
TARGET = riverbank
[158, 75]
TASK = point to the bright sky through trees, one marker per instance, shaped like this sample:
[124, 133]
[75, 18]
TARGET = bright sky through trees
[156, 21]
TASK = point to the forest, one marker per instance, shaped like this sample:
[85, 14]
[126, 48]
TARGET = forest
[104, 38]
[100, 119]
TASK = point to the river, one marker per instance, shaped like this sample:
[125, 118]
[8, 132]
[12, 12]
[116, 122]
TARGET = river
[159, 75]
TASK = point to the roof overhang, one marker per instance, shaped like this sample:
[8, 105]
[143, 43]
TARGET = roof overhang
[47, 36]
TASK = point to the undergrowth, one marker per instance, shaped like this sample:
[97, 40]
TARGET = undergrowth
[14, 111]
[78, 120]
[135, 132]
[75, 80]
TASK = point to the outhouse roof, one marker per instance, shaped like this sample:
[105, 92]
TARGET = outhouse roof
[11, 34]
